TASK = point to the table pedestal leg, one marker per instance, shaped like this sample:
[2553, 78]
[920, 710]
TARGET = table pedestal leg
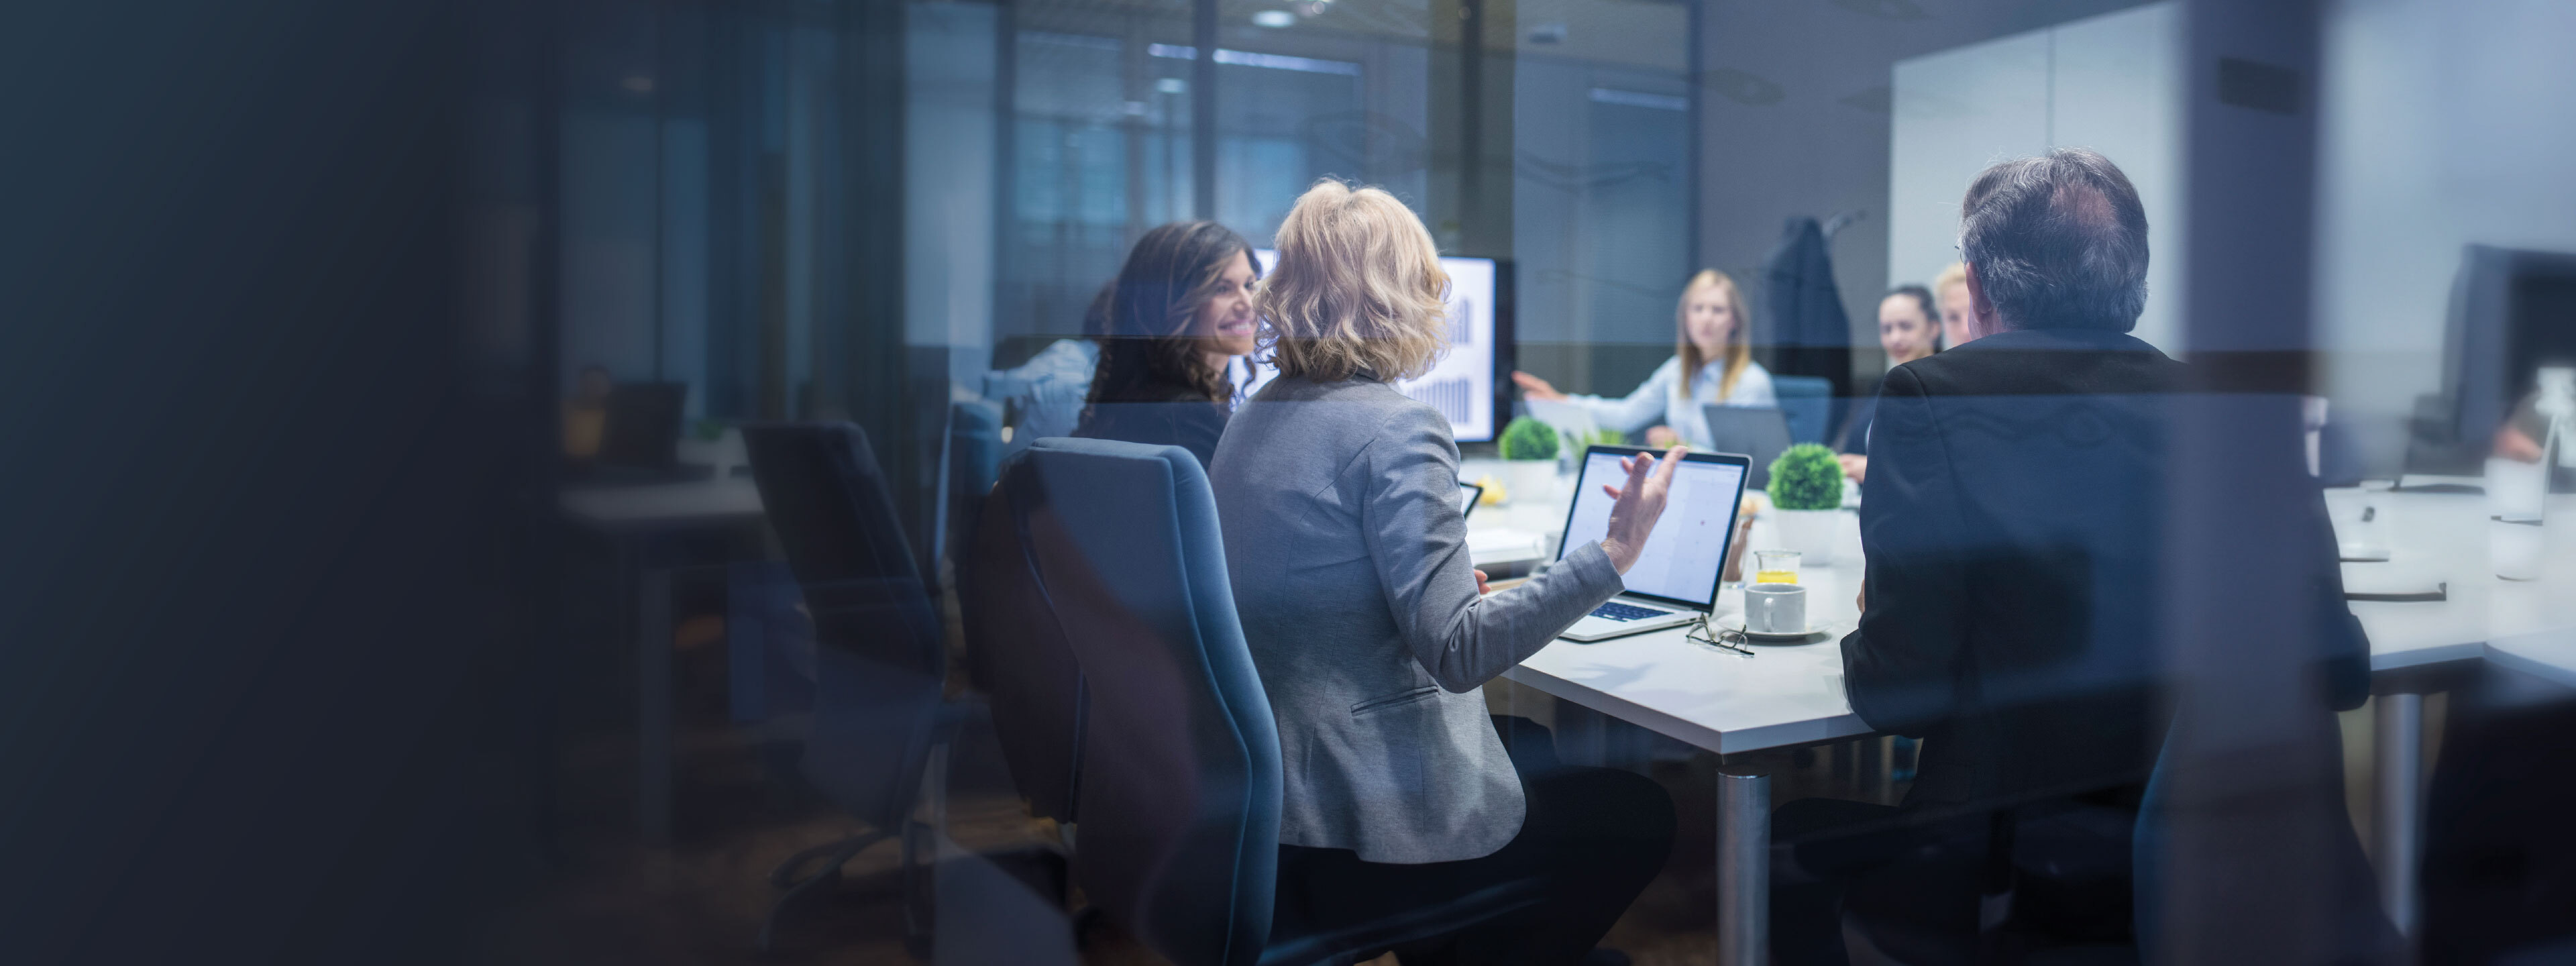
[1743, 867]
[2396, 841]
[653, 711]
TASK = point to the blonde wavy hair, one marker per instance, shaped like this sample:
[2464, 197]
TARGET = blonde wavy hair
[1739, 346]
[1356, 290]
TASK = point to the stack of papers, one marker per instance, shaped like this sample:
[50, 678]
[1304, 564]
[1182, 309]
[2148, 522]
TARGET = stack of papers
[1503, 543]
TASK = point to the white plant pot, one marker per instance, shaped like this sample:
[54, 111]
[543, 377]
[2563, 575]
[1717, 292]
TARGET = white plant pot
[1530, 481]
[1809, 532]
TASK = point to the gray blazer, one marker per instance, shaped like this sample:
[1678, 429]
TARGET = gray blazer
[1348, 557]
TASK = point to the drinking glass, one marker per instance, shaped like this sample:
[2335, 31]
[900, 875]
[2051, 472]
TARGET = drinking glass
[1775, 566]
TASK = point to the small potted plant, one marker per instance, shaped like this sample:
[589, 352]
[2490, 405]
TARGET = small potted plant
[1529, 448]
[1807, 493]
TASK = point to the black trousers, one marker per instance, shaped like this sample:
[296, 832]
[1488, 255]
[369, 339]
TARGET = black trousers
[1593, 837]
[1913, 883]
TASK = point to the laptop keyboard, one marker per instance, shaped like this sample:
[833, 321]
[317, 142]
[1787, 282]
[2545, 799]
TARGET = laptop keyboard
[1617, 611]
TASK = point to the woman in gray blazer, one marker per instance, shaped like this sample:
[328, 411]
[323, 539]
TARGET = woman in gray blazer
[1348, 557]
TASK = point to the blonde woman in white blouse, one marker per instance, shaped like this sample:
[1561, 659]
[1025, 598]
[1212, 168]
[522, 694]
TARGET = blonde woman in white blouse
[1709, 346]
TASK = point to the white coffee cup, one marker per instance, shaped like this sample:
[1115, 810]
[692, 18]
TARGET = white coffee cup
[1775, 608]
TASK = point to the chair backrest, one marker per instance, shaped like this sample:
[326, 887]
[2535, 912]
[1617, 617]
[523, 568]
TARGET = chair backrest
[1016, 650]
[877, 654]
[1180, 774]
[1808, 402]
[2249, 848]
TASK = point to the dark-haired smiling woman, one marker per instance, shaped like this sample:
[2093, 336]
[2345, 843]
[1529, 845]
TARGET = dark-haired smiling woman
[1179, 312]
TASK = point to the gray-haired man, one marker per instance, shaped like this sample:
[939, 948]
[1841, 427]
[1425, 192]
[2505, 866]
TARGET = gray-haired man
[2013, 521]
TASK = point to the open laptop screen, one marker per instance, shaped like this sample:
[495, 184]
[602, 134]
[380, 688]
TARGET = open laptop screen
[1682, 557]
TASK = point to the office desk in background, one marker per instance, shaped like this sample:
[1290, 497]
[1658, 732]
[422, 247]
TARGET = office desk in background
[635, 519]
[2417, 648]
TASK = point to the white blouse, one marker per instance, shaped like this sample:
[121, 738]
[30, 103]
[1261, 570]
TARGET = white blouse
[1656, 401]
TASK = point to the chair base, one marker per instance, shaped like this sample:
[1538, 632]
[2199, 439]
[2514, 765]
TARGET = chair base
[828, 875]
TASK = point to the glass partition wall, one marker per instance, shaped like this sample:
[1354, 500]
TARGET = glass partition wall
[815, 210]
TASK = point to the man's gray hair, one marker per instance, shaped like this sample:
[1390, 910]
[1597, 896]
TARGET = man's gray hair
[2058, 241]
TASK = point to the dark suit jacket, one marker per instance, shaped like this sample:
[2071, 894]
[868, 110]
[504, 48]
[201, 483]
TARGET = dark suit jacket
[1854, 436]
[2013, 523]
[1187, 420]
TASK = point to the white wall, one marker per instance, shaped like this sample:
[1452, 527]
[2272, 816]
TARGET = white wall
[2443, 124]
[2109, 83]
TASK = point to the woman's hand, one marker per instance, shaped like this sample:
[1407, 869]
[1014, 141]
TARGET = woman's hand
[1482, 587]
[1533, 387]
[1637, 506]
[1658, 437]
[1855, 465]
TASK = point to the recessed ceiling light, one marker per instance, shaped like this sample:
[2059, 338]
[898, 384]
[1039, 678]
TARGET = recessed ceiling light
[1274, 18]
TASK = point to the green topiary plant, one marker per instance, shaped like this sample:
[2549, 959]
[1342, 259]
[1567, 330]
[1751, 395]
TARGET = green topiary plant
[1807, 477]
[1529, 439]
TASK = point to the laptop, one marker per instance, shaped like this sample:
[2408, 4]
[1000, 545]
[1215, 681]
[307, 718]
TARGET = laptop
[1758, 432]
[1677, 574]
[1468, 494]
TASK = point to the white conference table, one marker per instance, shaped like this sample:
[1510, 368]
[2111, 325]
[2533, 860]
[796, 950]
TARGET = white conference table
[2438, 537]
[1792, 695]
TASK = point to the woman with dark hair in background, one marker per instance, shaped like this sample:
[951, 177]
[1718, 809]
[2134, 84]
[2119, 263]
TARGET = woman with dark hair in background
[1906, 328]
[1180, 311]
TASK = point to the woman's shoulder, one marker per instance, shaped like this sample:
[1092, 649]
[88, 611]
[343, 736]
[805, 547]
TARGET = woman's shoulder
[1754, 377]
[1349, 412]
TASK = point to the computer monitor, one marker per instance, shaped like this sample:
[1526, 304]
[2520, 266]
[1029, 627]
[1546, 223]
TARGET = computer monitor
[643, 425]
[1466, 385]
[2512, 312]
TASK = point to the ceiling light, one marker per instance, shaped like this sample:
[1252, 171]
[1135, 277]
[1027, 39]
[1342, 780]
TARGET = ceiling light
[1274, 18]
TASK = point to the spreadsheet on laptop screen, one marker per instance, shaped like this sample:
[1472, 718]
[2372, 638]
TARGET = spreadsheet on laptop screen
[1682, 556]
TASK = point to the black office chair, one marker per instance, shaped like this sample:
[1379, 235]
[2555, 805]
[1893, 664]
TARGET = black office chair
[877, 708]
[1016, 651]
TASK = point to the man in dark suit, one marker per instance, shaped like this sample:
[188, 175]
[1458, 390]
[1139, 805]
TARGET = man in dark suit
[2013, 520]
